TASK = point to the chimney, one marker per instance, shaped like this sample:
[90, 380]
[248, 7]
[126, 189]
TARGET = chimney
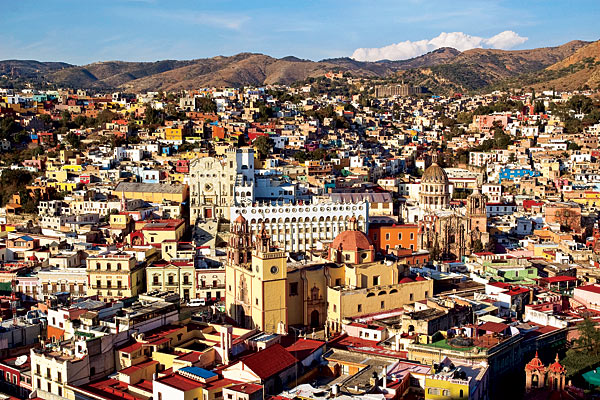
[226, 333]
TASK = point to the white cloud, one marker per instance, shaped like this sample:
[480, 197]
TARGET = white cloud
[458, 40]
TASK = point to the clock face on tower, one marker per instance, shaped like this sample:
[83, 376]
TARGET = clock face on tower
[274, 270]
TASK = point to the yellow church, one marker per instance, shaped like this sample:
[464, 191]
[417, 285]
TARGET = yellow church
[264, 292]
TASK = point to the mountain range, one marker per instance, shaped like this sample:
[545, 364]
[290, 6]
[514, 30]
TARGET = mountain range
[569, 66]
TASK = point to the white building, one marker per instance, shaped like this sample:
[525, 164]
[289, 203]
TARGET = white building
[298, 227]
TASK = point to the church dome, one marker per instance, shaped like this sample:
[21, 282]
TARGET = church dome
[435, 174]
[535, 363]
[351, 241]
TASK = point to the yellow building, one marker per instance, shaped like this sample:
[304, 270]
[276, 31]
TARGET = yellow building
[114, 275]
[255, 281]
[158, 231]
[174, 134]
[456, 380]
[349, 283]
[176, 276]
[72, 168]
[63, 186]
[152, 192]
[58, 175]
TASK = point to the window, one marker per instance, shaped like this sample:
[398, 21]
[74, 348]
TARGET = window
[118, 266]
[387, 236]
[159, 396]
[347, 257]
[412, 297]
[48, 374]
[426, 293]
[412, 236]
[376, 280]
[155, 280]
[334, 308]
[37, 370]
[360, 308]
[400, 236]
[294, 289]
[108, 266]
[60, 391]
[170, 279]
[256, 301]
[338, 282]
[215, 284]
[382, 304]
[461, 393]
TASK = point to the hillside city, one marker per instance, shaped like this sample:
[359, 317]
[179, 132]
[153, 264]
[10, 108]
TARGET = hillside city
[334, 238]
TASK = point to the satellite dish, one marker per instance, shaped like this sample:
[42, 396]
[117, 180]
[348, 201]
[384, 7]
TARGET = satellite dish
[21, 360]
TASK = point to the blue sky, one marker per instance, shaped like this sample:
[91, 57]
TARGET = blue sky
[80, 32]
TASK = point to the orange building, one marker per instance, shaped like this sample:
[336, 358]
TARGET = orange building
[387, 237]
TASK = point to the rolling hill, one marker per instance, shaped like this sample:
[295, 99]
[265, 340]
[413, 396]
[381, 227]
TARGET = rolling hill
[443, 70]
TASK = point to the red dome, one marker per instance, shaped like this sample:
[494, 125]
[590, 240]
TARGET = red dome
[406, 280]
[351, 241]
[240, 219]
[420, 278]
[556, 367]
[535, 363]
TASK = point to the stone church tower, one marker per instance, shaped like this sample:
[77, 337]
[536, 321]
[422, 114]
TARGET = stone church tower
[476, 219]
[537, 376]
[255, 281]
[239, 250]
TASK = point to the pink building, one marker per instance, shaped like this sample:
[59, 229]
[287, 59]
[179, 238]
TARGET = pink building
[483, 123]
[588, 295]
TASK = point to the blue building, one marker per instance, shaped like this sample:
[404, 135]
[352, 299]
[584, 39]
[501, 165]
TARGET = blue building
[511, 174]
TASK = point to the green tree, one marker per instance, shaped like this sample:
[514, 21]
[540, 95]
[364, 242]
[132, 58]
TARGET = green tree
[264, 145]
[206, 105]
[106, 116]
[74, 140]
[152, 116]
[580, 104]
[573, 146]
[65, 118]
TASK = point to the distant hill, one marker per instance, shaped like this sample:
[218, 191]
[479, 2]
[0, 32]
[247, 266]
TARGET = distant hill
[443, 70]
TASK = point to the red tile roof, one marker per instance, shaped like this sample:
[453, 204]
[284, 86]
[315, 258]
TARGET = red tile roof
[495, 327]
[137, 367]
[304, 348]
[131, 348]
[180, 382]
[553, 279]
[247, 388]
[590, 288]
[270, 361]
